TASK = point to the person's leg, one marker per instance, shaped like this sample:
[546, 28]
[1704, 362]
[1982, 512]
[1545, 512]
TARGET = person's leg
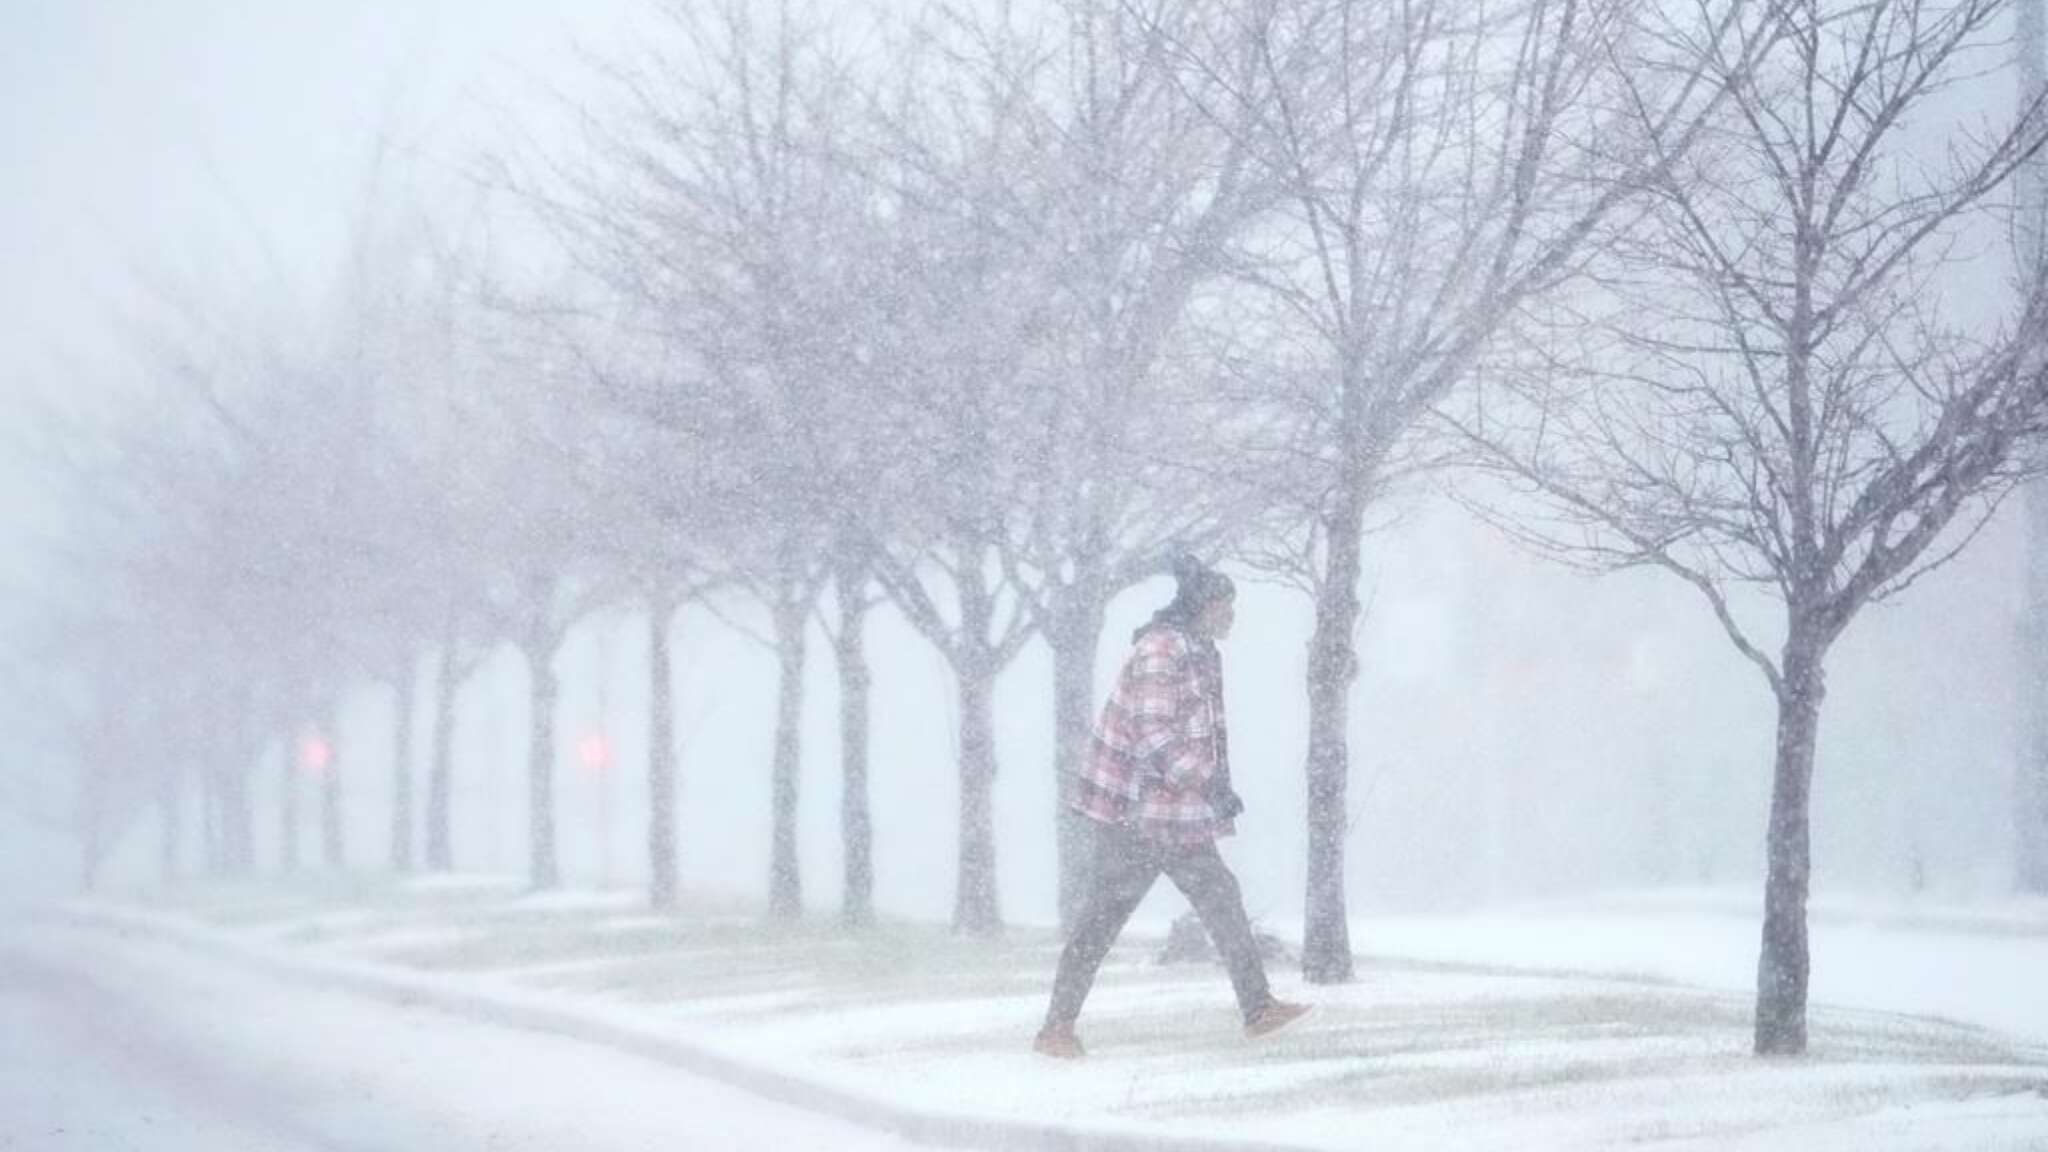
[1206, 880]
[1124, 871]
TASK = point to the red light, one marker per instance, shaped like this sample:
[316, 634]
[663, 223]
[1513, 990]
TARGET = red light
[595, 752]
[316, 754]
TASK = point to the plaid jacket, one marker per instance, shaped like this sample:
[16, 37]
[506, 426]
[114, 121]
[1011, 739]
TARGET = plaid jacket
[1161, 743]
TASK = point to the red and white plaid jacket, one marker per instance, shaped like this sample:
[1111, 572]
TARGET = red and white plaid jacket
[1160, 743]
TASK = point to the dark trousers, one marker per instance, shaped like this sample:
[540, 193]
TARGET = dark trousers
[1125, 867]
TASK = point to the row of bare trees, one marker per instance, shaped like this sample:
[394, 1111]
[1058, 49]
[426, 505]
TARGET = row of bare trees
[979, 314]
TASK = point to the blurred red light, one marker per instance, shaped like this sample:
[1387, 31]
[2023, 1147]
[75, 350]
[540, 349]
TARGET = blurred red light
[595, 752]
[315, 753]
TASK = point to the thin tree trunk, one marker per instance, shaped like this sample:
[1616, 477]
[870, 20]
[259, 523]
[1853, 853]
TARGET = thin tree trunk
[288, 810]
[1332, 664]
[2030, 779]
[404, 683]
[209, 820]
[1784, 963]
[331, 847]
[2030, 776]
[2030, 784]
[239, 820]
[173, 842]
[441, 773]
[785, 880]
[975, 907]
[238, 801]
[542, 871]
[856, 829]
[1076, 630]
[92, 824]
[661, 756]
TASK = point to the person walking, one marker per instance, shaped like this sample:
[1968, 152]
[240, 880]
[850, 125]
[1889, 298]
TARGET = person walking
[1157, 784]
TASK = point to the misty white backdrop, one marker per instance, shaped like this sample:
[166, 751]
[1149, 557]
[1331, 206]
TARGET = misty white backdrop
[1521, 731]
[1518, 730]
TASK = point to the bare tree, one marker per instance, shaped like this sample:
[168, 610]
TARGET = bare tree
[672, 528]
[718, 209]
[134, 657]
[541, 555]
[1440, 164]
[960, 371]
[1788, 399]
[1138, 193]
[439, 340]
[82, 708]
[2030, 777]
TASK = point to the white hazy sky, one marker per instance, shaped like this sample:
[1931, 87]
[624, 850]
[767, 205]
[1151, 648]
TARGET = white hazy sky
[217, 147]
[208, 141]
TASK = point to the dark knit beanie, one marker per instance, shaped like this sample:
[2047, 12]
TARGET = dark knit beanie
[1196, 586]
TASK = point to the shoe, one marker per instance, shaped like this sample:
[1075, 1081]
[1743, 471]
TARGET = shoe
[1277, 1014]
[1058, 1043]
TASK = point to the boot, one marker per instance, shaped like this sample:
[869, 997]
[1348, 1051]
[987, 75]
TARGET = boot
[1058, 1042]
[1277, 1014]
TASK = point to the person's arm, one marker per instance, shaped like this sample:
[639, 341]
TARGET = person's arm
[1172, 729]
[1192, 764]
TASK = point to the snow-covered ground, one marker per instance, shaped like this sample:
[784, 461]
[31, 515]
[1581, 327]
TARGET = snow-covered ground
[1975, 964]
[79, 1074]
[111, 1045]
[1593, 1024]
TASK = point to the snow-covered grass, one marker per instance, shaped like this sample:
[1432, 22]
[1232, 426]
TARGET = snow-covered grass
[1977, 964]
[1621, 1021]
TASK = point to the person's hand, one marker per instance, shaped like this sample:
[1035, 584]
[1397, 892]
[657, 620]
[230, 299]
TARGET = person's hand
[1228, 805]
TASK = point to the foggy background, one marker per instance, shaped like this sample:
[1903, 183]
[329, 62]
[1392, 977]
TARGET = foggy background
[1518, 730]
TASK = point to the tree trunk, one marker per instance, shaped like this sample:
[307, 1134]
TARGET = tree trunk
[209, 820]
[173, 842]
[238, 740]
[975, 908]
[785, 881]
[1076, 630]
[2030, 778]
[331, 848]
[661, 756]
[1332, 665]
[288, 810]
[92, 823]
[441, 774]
[542, 870]
[856, 829]
[1783, 966]
[404, 683]
[239, 820]
[2030, 785]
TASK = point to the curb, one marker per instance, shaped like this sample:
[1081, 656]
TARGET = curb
[409, 989]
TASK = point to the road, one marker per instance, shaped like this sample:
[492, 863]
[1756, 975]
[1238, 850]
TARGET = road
[73, 1074]
[137, 1045]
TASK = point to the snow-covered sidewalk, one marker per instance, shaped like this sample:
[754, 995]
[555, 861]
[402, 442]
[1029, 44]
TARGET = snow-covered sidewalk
[1437, 1044]
[1972, 965]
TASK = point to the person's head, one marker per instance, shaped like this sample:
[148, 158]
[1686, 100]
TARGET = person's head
[1217, 616]
[1204, 600]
